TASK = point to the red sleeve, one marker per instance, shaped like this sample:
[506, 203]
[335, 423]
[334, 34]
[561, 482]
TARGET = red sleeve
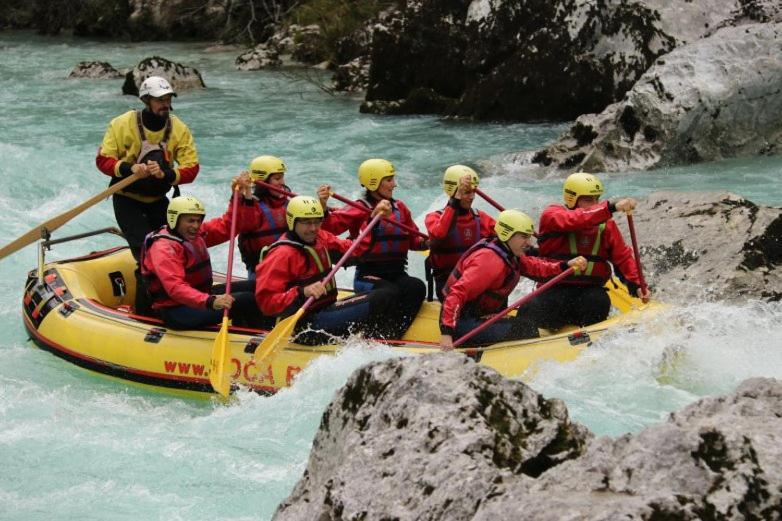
[619, 253]
[416, 242]
[481, 271]
[539, 268]
[218, 230]
[557, 218]
[487, 224]
[347, 218]
[334, 243]
[187, 174]
[282, 265]
[166, 258]
[439, 223]
[106, 164]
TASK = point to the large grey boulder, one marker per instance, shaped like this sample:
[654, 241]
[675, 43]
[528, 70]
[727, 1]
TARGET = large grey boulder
[716, 459]
[94, 70]
[290, 44]
[716, 98]
[440, 438]
[427, 438]
[715, 246]
[180, 76]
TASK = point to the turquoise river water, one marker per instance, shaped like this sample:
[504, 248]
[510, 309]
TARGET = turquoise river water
[77, 447]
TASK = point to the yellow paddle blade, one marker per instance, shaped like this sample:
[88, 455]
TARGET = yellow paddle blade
[221, 358]
[277, 337]
[425, 253]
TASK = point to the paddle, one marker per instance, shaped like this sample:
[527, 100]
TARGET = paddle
[348, 202]
[284, 328]
[221, 356]
[488, 199]
[55, 222]
[636, 252]
[513, 306]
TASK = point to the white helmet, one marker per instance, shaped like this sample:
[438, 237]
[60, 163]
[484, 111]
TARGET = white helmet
[156, 87]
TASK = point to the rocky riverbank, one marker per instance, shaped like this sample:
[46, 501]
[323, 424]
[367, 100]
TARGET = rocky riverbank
[439, 437]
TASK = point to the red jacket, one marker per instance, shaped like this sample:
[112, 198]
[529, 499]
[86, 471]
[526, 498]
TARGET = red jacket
[564, 234]
[484, 277]
[287, 268]
[452, 231]
[263, 225]
[388, 244]
[179, 272]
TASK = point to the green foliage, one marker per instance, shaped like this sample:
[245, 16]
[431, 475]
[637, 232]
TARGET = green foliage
[336, 18]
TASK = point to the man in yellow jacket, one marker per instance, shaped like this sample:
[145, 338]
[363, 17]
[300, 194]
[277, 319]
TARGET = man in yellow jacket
[155, 144]
[159, 147]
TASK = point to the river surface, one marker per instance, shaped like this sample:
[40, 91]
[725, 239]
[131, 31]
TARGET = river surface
[77, 447]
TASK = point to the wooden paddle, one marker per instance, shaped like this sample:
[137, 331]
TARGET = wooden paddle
[513, 306]
[221, 355]
[283, 330]
[348, 202]
[55, 222]
[488, 199]
[636, 252]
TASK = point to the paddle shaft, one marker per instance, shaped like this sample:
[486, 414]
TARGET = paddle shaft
[345, 257]
[488, 199]
[55, 222]
[636, 252]
[347, 201]
[229, 270]
[515, 304]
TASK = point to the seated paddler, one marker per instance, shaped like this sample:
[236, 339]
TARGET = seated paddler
[291, 271]
[486, 275]
[177, 270]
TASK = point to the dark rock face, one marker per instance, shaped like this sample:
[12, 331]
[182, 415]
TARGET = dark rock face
[181, 76]
[716, 98]
[428, 437]
[709, 245]
[94, 70]
[438, 437]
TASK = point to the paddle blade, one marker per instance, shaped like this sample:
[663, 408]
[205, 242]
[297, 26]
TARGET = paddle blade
[277, 337]
[221, 358]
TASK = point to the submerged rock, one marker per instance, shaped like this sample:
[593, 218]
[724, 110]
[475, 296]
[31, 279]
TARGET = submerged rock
[181, 76]
[719, 97]
[717, 246]
[94, 70]
[428, 437]
[439, 437]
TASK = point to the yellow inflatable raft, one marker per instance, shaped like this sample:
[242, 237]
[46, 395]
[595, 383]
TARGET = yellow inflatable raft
[78, 309]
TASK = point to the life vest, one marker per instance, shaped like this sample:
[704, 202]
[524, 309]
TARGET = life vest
[587, 243]
[272, 228]
[198, 266]
[388, 245]
[489, 301]
[151, 186]
[318, 266]
[446, 252]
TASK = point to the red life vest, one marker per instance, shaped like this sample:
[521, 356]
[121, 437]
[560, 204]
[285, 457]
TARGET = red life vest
[272, 228]
[198, 266]
[445, 253]
[318, 266]
[389, 243]
[489, 301]
[568, 245]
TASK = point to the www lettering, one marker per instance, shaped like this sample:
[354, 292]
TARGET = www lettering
[173, 367]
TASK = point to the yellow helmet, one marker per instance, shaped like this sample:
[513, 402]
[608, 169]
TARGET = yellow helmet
[579, 184]
[372, 171]
[263, 166]
[302, 207]
[184, 204]
[452, 176]
[513, 221]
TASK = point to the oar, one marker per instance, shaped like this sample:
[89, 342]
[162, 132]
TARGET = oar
[271, 344]
[513, 306]
[488, 199]
[221, 355]
[636, 252]
[348, 202]
[55, 222]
